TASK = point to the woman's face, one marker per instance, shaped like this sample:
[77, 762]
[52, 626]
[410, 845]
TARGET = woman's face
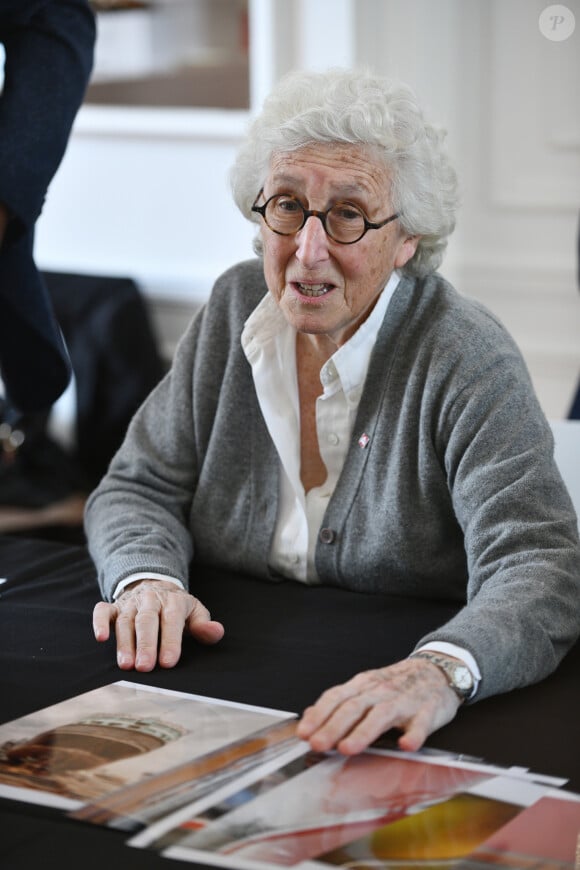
[322, 287]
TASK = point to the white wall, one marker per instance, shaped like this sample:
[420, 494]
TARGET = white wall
[124, 198]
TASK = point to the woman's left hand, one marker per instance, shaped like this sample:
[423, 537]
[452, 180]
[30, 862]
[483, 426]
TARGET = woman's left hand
[412, 695]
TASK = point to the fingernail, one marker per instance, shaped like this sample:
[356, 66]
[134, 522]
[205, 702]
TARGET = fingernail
[123, 659]
[143, 662]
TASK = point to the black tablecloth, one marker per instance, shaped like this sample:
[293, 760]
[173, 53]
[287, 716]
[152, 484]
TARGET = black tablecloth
[284, 644]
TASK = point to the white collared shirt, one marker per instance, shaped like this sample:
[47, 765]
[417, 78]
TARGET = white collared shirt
[269, 343]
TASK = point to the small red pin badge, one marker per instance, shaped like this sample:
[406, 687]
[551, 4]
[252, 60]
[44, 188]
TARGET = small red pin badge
[363, 440]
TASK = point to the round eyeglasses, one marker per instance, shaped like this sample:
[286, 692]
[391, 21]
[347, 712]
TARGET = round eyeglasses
[343, 222]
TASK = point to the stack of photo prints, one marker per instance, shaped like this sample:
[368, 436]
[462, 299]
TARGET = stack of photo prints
[230, 785]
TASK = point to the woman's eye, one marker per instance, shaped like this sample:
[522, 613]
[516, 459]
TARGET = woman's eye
[288, 205]
[347, 213]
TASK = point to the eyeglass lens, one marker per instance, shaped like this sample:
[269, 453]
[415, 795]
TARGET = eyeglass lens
[286, 215]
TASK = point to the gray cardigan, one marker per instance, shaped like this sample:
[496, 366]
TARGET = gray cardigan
[455, 496]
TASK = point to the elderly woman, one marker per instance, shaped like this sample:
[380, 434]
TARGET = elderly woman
[339, 414]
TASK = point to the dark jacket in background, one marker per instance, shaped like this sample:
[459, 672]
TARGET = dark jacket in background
[115, 359]
[116, 363]
[49, 55]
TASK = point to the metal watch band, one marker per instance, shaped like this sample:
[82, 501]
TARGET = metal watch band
[458, 675]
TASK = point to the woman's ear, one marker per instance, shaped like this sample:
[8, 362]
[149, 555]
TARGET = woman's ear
[406, 250]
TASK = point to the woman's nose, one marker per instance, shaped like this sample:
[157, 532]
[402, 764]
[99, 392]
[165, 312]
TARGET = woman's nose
[312, 242]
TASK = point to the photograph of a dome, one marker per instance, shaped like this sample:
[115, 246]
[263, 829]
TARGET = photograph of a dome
[114, 737]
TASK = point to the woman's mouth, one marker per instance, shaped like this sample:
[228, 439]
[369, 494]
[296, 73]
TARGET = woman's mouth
[313, 290]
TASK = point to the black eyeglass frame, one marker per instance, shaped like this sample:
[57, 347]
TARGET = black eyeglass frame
[321, 215]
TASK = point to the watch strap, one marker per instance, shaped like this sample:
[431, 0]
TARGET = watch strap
[458, 675]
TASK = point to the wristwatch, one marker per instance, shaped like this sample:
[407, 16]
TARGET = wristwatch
[458, 675]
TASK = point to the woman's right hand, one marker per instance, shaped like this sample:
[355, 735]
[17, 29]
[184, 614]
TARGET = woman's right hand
[150, 618]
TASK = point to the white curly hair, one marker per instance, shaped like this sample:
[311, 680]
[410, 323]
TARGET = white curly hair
[357, 107]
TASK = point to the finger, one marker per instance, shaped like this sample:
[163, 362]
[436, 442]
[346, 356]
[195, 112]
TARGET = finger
[360, 721]
[147, 624]
[373, 723]
[350, 717]
[428, 719]
[380, 719]
[416, 713]
[202, 627]
[125, 636]
[103, 615]
[413, 737]
[209, 632]
[315, 716]
[173, 619]
[324, 725]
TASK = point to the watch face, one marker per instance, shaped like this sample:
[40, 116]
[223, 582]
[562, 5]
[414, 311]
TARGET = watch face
[462, 678]
[458, 675]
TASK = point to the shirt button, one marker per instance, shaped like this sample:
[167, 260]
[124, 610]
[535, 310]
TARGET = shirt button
[333, 438]
[328, 374]
[327, 536]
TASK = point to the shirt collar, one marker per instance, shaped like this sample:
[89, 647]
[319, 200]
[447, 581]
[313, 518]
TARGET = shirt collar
[351, 360]
[265, 323]
[349, 363]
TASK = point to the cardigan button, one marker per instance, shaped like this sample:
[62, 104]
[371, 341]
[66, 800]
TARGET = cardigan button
[327, 536]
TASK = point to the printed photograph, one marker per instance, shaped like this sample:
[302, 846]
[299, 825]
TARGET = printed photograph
[544, 836]
[330, 802]
[116, 736]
